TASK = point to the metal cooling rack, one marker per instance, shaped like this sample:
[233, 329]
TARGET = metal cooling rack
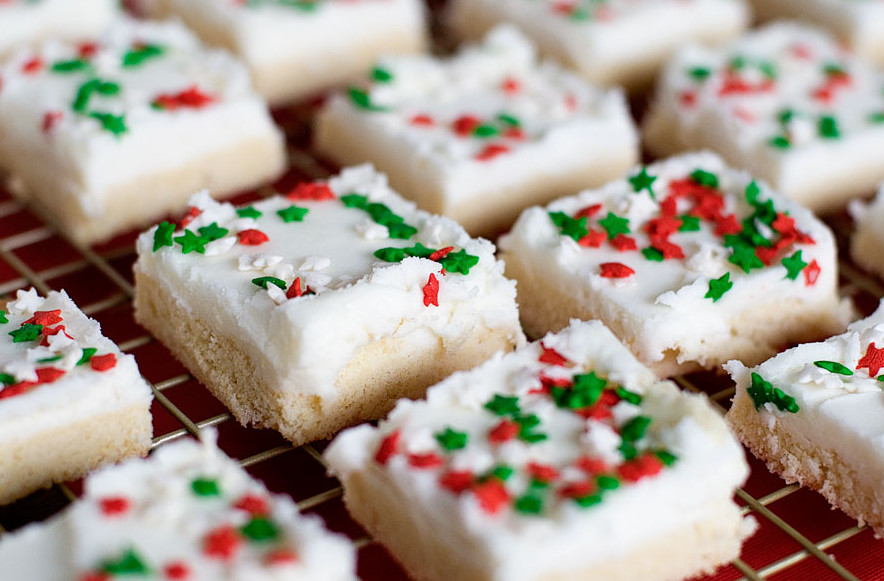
[799, 538]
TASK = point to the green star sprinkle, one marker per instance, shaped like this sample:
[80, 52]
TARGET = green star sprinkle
[501, 472]
[3, 318]
[689, 223]
[7, 379]
[762, 392]
[529, 504]
[665, 456]
[527, 425]
[704, 178]
[794, 265]
[642, 181]
[213, 232]
[27, 332]
[699, 73]
[362, 100]
[833, 367]
[828, 127]
[574, 228]
[779, 142]
[635, 429]
[128, 564]
[451, 440]
[614, 225]
[263, 281]
[459, 261]
[138, 56]
[249, 212]
[292, 214]
[192, 242]
[260, 529]
[205, 487]
[503, 405]
[743, 255]
[651, 253]
[628, 396]
[115, 124]
[719, 286]
[381, 75]
[70, 66]
[162, 236]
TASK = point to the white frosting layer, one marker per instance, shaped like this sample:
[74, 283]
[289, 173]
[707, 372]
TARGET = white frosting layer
[491, 117]
[44, 385]
[669, 303]
[27, 22]
[189, 512]
[612, 41]
[515, 540]
[302, 344]
[785, 102]
[176, 103]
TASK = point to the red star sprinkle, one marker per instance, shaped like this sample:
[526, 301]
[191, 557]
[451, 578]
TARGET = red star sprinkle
[623, 243]
[425, 461]
[45, 318]
[87, 50]
[811, 273]
[873, 360]
[491, 151]
[593, 239]
[492, 495]
[464, 125]
[588, 211]
[516, 133]
[422, 120]
[577, 490]
[311, 191]
[103, 362]
[615, 270]
[190, 98]
[32, 66]
[641, 467]
[542, 472]
[388, 448]
[552, 357]
[49, 374]
[252, 237]
[176, 570]
[294, 290]
[94, 576]
[593, 466]
[457, 481]
[504, 431]
[50, 120]
[253, 504]
[687, 98]
[725, 225]
[191, 215]
[114, 505]
[222, 543]
[511, 86]
[281, 557]
[431, 291]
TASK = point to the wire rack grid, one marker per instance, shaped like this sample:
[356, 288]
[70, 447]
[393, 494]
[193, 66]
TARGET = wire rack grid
[799, 537]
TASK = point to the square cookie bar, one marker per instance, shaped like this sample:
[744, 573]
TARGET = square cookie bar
[70, 401]
[814, 415]
[131, 125]
[29, 22]
[297, 48]
[483, 134]
[310, 312]
[867, 238]
[187, 512]
[857, 23]
[689, 262]
[786, 103]
[565, 460]
[612, 42]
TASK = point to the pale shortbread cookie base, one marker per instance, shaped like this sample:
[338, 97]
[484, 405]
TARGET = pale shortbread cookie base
[626, 51]
[771, 324]
[821, 173]
[796, 458]
[71, 451]
[857, 24]
[295, 70]
[146, 198]
[346, 138]
[378, 374]
[691, 550]
[867, 238]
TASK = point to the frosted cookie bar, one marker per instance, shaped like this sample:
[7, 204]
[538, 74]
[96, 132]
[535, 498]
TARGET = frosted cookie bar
[867, 238]
[296, 48]
[187, 512]
[689, 262]
[813, 414]
[312, 311]
[131, 125]
[786, 103]
[565, 460]
[70, 401]
[857, 23]
[613, 42]
[483, 134]
[29, 22]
